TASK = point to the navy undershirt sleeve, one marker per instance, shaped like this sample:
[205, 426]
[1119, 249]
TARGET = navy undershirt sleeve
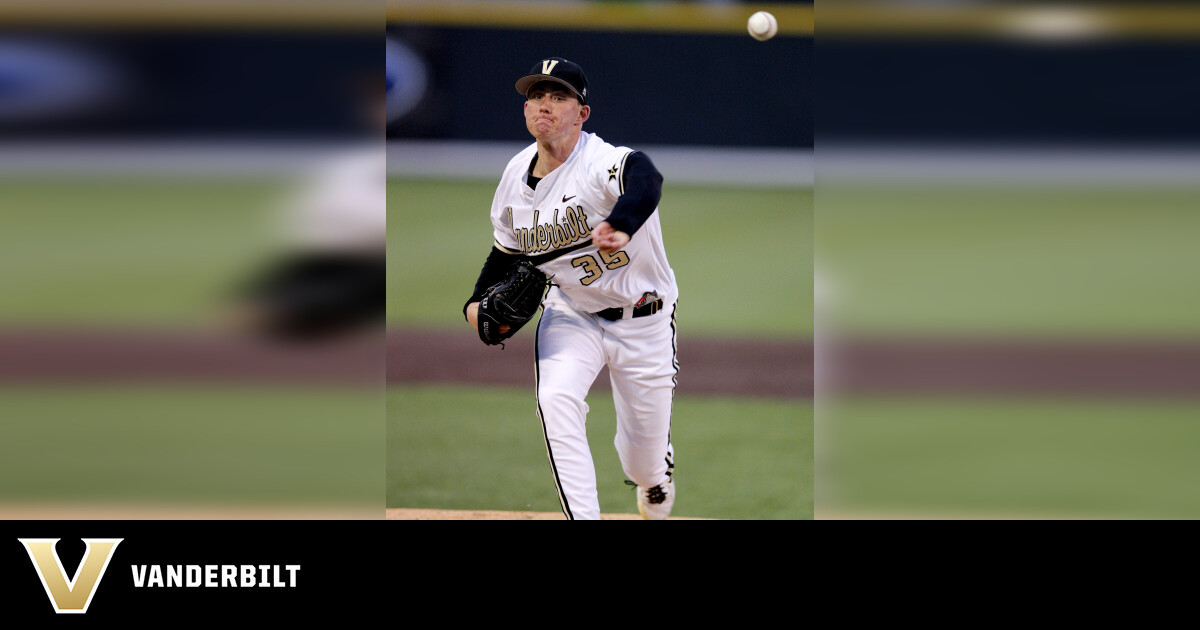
[495, 268]
[643, 188]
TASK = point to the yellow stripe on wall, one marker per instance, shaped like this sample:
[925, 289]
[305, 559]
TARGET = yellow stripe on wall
[600, 16]
[1021, 20]
[838, 17]
[334, 14]
[849, 17]
[315, 14]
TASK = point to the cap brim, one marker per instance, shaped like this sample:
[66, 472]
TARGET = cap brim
[525, 82]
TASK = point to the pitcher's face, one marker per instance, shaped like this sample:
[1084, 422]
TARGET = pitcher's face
[552, 112]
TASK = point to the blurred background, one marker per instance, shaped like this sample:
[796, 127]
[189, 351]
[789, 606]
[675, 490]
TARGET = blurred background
[161, 166]
[1006, 314]
[999, 278]
[729, 122]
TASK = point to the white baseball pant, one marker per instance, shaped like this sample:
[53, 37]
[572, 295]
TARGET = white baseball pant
[572, 347]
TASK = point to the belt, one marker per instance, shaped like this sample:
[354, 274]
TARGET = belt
[614, 314]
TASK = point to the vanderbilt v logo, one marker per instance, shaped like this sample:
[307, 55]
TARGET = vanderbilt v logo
[75, 595]
[548, 65]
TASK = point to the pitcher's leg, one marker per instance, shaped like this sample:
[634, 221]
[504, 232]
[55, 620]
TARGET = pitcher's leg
[569, 356]
[643, 438]
[643, 368]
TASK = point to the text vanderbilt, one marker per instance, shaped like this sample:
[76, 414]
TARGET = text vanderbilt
[215, 576]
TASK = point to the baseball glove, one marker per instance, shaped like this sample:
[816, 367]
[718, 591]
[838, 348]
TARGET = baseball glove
[512, 302]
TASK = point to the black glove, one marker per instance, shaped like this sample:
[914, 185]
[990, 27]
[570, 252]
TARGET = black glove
[513, 302]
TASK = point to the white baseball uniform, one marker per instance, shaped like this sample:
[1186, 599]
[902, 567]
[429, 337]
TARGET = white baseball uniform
[635, 337]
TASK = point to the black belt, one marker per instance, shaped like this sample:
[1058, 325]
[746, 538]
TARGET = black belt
[613, 314]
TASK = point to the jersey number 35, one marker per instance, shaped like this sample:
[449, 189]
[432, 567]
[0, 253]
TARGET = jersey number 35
[593, 267]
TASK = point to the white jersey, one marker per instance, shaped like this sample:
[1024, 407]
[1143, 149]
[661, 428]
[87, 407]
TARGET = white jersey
[553, 223]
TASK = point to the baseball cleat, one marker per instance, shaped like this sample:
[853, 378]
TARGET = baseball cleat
[655, 503]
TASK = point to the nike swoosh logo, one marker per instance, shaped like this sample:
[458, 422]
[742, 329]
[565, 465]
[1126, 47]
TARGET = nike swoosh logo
[566, 198]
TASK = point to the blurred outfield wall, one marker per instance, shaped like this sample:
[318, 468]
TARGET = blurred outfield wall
[647, 85]
[681, 81]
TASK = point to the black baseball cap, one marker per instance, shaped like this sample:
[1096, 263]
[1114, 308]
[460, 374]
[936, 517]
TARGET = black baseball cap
[558, 70]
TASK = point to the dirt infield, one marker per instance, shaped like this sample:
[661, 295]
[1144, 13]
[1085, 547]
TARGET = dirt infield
[70, 356]
[1097, 368]
[708, 366]
[412, 356]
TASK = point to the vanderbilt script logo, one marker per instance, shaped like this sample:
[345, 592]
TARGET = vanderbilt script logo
[72, 595]
[554, 233]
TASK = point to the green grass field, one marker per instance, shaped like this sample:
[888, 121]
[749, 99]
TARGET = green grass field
[1019, 458]
[129, 250]
[148, 251]
[252, 445]
[477, 448]
[742, 257]
[1061, 261]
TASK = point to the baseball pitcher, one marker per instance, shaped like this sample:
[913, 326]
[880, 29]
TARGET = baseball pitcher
[581, 215]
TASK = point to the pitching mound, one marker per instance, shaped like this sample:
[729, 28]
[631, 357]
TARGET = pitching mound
[405, 514]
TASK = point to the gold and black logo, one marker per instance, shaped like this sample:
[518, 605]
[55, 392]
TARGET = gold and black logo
[72, 592]
[70, 595]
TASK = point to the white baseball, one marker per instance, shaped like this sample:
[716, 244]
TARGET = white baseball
[762, 26]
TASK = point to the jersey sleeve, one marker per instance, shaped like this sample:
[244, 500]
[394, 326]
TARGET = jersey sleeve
[605, 173]
[641, 189]
[503, 237]
[630, 184]
[502, 233]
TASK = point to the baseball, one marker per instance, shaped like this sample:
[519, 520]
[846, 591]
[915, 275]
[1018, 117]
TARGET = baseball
[762, 26]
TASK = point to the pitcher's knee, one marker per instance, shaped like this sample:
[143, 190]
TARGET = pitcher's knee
[558, 402]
